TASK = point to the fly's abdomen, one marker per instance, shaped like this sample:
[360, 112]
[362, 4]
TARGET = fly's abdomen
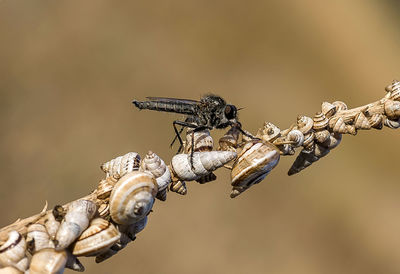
[166, 106]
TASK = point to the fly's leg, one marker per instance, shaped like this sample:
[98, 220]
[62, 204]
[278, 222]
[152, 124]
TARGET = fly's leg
[183, 124]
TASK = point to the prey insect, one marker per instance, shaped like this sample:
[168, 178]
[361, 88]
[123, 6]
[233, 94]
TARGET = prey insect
[210, 112]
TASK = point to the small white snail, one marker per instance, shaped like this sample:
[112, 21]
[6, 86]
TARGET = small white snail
[38, 237]
[132, 197]
[48, 260]
[12, 252]
[75, 222]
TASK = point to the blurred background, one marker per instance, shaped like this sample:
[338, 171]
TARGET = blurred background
[70, 69]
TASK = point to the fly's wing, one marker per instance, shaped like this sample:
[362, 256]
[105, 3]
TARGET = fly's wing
[182, 106]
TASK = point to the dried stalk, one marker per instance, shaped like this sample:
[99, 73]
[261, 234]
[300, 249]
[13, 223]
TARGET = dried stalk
[256, 158]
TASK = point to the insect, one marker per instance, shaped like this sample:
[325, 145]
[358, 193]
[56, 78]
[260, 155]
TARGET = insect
[210, 112]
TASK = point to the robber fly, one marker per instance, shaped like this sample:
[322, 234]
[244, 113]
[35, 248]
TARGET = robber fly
[210, 112]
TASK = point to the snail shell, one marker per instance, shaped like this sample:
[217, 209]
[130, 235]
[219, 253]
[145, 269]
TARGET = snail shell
[308, 142]
[253, 164]
[394, 88]
[229, 141]
[97, 238]
[295, 138]
[10, 270]
[269, 132]
[13, 250]
[75, 222]
[52, 225]
[202, 141]
[132, 197]
[333, 141]
[178, 187]
[361, 121]
[122, 165]
[393, 124]
[339, 105]
[328, 109]
[322, 135]
[338, 125]
[376, 121]
[48, 260]
[38, 236]
[320, 121]
[156, 166]
[203, 163]
[304, 124]
[392, 109]
[104, 188]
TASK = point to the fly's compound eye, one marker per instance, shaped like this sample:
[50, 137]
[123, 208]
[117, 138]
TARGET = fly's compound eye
[230, 112]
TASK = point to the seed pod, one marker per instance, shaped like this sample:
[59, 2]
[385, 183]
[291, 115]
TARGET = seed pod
[392, 109]
[269, 132]
[203, 163]
[393, 124]
[320, 121]
[361, 121]
[253, 164]
[122, 165]
[229, 141]
[132, 197]
[339, 106]
[155, 165]
[38, 238]
[304, 124]
[97, 238]
[328, 109]
[178, 187]
[48, 261]
[13, 250]
[202, 141]
[75, 222]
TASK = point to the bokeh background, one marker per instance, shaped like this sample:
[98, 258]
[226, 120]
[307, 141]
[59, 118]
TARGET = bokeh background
[70, 69]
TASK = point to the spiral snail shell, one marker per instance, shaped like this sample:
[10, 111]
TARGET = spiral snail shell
[48, 260]
[304, 124]
[320, 121]
[269, 132]
[392, 109]
[229, 141]
[393, 124]
[156, 166]
[38, 237]
[328, 109]
[97, 238]
[121, 165]
[202, 141]
[12, 252]
[361, 121]
[252, 165]
[75, 222]
[339, 105]
[376, 121]
[132, 197]
[178, 187]
[394, 89]
[309, 142]
[203, 163]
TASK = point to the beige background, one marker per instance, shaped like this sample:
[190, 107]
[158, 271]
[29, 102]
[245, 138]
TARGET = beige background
[70, 69]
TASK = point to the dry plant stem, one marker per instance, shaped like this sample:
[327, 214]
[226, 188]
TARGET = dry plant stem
[253, 160]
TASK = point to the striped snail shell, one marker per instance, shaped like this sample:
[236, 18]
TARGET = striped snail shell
[252, 165]
[178, 187]
[361, 121]
[132, 197]
[203, 163]
[122, 165]
[97, 238]
[156, 166]
[320, 121]
[322, 135]
[48, 260]
[38, 237]
[338, 125]
[75, 222]
[202, 141]
[394, 89]
[392, 109]
[328, 109]
[269, 132]
[339, 105]
[12, 252]
[296, 137]
[308, 142]
[105, 187]
[304, 124]
[376, 121]
[229, 141]
[333, 141]
[393, 124]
